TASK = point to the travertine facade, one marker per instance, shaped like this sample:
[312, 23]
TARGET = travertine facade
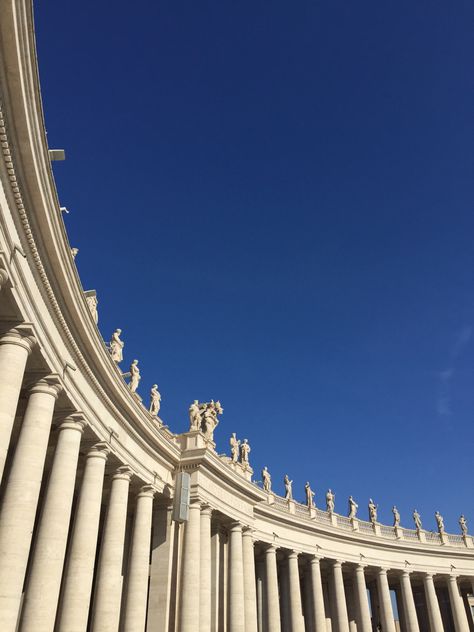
[88, 473]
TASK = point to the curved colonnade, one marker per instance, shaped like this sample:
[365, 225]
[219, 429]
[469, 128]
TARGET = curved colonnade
[88, 476]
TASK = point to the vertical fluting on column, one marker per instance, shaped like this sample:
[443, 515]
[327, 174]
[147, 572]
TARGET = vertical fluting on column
[190, 571]
[236, 580]
[457, 605]
[271, 590]
[432, 604]
[20, 501]
[386, 611]
[15, 347]
[136, 594]
[318, 611]
[364, 623]
[261, 607]
[44, 582]
[250, 588]
[108, 592]
[408, 601]
[296, 609]
[340, 598]
[205, 570]
[77, 581]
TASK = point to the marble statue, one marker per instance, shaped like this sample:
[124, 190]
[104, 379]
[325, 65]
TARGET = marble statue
[234, 448]
[194, 417]
[155, 400]
[74, 252]
[209, 420]
[439, 522]
[288, 488]
[417, 519]
[116, 346]
[266, 480]
[135, 376]
[244, 452]
[309, 495]
[92, 302]
[463, 524]
[353, 507]
[372, 511]
[396, 516]
[330, 501]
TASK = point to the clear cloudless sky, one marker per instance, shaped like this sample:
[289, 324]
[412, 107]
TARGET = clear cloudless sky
[274, 201]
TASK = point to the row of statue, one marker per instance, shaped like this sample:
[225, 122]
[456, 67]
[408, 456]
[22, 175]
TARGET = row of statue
[353, 506]
[116, 346]
[239, 450]
[203, 417]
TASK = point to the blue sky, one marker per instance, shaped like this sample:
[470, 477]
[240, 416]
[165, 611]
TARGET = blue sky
[274, 201]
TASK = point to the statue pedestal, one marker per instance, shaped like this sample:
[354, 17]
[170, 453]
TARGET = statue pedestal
[271, 498]
[355, 524]
[468, 541]
[376, 528]
[399, 533]
[444, 538]
[333, 519]
[291, 506]
[312, 512]
[195, 440]
[421, 535]
[137, 397]
[242, 469]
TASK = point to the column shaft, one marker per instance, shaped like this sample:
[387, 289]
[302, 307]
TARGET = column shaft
[108, 592]
[432, 604]
[77, 583]
[236, 580]
[190, 572]
[20, 501]
[340, 598]
[15, 347]
[44, 582]
[457, 606]
[386, 612]
[272, 600]
[205, 571]
[318, 610]
[409, 603]
[364, 623]
[250, 588]
[296, 610]
[136, 596]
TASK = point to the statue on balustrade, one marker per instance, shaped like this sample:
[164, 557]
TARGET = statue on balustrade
[353, 507]
[417, 519]
[288, 488]
[194, 417]
[116, 346]
[203, 417]
[266, 480]
[244, 452]
[396, 516]
[330, 501]
[92, 302]
[309, 495]
[234, 448]
[463, 524]
[135, 376]
[155, 400]
[439, 522]
[372, 511]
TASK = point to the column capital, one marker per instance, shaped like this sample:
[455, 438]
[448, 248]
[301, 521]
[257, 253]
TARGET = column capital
[406, 573]
[147, 491]
[235, 525]
[382, 570]
[453, 577]
[315, 559]
[337, 563]
[292, 554]
[206, 510]
[49, 385]
[4, 276]
[271, 548]
[21, 335]
[74, 421]
[101, 450]
[428, 575]
[360, 568]
[124, 472]
[248, 531]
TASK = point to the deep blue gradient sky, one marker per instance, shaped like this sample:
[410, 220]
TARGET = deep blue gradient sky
[274, 202]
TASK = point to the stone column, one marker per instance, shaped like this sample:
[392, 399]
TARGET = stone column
[261, 607]
[17, 517]
[15, 347]
[296, 610]
[272, 599]
[205, 571]
[108, 593]
[77, 582]
[318, 611]
[432, 604]
[409, 603]
[386, 612]
[236, 580]
[364, 623]
[457, 605]
[250, 588]
[136, 597]
[190, 571]
[340, 598]
[44, 582]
